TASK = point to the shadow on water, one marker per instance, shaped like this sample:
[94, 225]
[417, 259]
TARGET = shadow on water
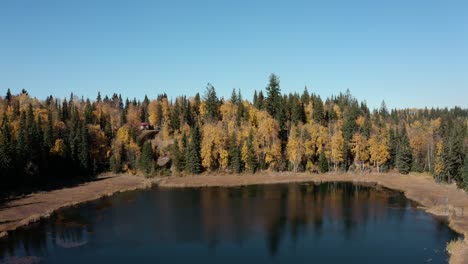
[288, 222]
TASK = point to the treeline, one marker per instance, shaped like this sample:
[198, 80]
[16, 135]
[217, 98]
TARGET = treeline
[59, 138]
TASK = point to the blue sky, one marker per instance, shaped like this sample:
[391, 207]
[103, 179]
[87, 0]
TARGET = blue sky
[408, 53]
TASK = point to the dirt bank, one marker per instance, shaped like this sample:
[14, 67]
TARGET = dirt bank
[22, 211]
[438, 199]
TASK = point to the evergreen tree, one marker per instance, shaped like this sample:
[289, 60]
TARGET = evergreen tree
[8, 95]
[175, 116]
[323, 163]
[255, 99]
[49, 133]
[234, 99]
[192, 154]
[177, 156]
[317, 113]
[147, 158]
[453, 152]
[251, 158]
[212, 104]
[88, 113]
[235, 155]
[116, 163]
[404, 157]
[6, 162]
[464, 173]
[261, 101]
[305, 98]
[274, 99]
[83, 148]
[393, 144]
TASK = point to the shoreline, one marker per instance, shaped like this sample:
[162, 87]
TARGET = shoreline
[438, 199]
[36, 206]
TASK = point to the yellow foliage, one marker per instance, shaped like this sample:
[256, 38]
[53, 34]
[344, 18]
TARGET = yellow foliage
[360, 148]
[154, 117]
[58, 148]
[379, 149]
[133, 116]
[295, 146]
[336, 144]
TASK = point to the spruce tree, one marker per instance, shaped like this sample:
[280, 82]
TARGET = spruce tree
[323, 163]
[192, 154]
[212, 104]
[178, 157]
[49, 133]
[274, 98]
[251, 159]
[5, 147]
[404, 157]
[8, 95]
[235, 155]
[146, 162]
[317, 113]
[464, 173]
[83, 149]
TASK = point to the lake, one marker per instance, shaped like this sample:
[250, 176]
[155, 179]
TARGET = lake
[283, 223]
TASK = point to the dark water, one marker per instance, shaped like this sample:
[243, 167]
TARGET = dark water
[293, 223]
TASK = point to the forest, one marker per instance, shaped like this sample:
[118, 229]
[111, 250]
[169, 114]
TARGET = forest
[43, 141]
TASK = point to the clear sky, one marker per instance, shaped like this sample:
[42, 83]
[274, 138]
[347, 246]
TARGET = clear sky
[406, 52]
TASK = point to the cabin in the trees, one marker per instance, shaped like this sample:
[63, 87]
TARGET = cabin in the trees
[144, 126]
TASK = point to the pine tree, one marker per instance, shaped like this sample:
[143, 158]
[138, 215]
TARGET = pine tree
[404, 157]
[323, 163]
[192, 154]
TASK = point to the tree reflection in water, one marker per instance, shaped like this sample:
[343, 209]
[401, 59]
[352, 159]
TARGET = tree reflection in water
[284, 218]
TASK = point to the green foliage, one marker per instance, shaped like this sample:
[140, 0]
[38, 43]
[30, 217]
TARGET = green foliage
[404, 157]
[323, 163]
[146, 163]
[251, 159]
[178, 157]
[212, 104]
[116, 163]
[235, 156]
[192, 154]
[56, 138]
[464, 173]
